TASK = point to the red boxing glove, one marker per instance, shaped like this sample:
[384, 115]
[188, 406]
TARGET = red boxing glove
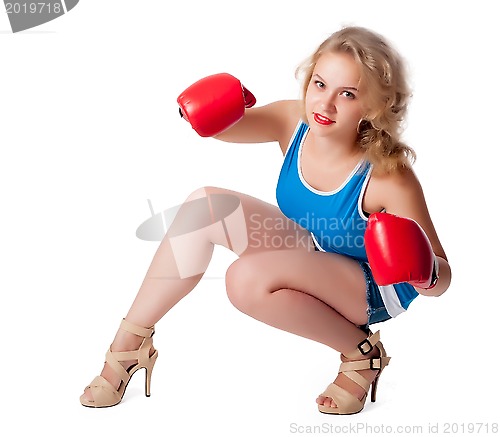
[399, 251]
[214, 103]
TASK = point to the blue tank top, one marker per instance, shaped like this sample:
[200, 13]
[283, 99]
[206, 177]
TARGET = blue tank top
[335, 219]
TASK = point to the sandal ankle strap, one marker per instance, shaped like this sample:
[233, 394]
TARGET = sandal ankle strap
[365, 346]
[368, 364]
[137, 330]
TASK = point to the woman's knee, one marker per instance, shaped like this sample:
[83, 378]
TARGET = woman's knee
[242, 285]
[202, 192]
[212, 215]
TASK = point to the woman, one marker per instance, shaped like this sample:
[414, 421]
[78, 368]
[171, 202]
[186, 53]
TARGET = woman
[302, 267]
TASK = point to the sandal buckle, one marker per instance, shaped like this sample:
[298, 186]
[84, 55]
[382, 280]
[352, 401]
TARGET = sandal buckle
[365, 343]
[374, 362]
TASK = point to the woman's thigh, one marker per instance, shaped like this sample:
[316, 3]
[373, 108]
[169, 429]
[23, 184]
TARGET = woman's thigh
[242, 223]
[336, 280]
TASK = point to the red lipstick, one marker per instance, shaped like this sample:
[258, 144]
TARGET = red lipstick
[321, 119]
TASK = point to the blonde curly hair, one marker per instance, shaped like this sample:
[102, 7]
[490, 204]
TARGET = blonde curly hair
[386, 94]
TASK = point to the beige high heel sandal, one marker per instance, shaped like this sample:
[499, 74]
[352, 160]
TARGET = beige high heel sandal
[345, 401]
[103, 393]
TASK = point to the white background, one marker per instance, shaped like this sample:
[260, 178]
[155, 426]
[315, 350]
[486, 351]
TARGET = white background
[89, 130]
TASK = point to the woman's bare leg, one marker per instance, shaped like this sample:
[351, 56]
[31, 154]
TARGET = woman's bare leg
[316, 311]
[209, 216]
[321, 296]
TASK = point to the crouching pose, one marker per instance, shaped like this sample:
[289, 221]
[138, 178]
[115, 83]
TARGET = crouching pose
[350, 244]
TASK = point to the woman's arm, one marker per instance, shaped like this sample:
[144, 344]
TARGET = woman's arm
[403, 196]
[219, 106]
[273, 122]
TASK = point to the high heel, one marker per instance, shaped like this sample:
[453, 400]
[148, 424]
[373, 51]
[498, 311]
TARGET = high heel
[103, 393]
[345, 401]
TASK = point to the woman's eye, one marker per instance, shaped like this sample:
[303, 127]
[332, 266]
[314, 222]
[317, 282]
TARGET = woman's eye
[319, 84]
[348, 94]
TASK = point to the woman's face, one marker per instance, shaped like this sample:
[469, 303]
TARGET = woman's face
[333, 99]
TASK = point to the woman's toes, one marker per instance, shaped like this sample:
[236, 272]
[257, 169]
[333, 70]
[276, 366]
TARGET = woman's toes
[331, 403]
[325, 401]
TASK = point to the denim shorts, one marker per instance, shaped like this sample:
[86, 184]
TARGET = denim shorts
[376, 310]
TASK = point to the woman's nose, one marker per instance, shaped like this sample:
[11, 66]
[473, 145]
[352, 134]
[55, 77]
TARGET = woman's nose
[329, 103]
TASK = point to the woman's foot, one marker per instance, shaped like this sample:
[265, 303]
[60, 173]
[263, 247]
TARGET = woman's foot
[359, 370]
[348, 384]
[124, 341]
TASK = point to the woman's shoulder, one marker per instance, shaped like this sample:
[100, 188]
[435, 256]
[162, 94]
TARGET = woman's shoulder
[384, 189]
[401, 180]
